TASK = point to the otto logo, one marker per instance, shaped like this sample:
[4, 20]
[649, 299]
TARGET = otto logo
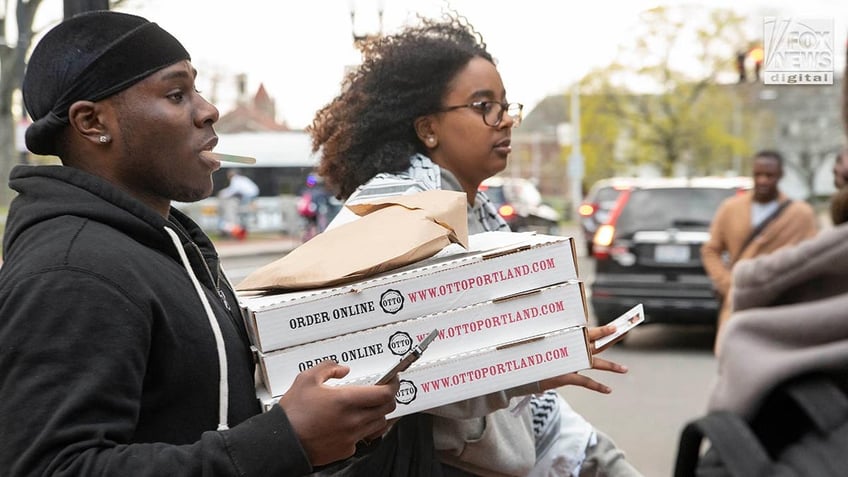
[400, 343]
[391, 301]
[406, 393]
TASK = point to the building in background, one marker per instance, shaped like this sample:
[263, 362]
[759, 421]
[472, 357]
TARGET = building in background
[251, 114]
[801, 121]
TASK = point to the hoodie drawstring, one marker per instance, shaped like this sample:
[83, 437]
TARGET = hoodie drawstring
[223, 384]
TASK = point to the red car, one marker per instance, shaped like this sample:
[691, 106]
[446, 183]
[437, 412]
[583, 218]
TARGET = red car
[595, 208]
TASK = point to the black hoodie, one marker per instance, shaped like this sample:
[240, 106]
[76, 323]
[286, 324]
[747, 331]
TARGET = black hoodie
[108, 359]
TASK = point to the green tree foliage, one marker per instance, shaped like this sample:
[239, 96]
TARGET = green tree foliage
[600, 135]
[661, 101]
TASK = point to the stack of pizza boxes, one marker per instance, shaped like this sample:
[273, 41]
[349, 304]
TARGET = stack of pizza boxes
[509, 310]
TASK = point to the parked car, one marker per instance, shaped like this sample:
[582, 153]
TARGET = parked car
[519, 203]
[649, 250]
[594, 210]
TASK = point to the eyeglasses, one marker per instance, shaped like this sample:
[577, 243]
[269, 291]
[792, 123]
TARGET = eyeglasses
[493, 111]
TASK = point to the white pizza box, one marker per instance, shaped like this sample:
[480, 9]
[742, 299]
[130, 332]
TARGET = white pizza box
[496, 264]
[456, 378]
[482, 325]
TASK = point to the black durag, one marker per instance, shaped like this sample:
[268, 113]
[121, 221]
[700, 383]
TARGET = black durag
[90, 57]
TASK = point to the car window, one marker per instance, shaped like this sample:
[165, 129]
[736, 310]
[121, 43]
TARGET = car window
[607, 194]
[607, 198]
[661, 209]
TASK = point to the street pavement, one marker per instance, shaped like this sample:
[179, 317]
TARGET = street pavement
[282, 244]
[264, 245]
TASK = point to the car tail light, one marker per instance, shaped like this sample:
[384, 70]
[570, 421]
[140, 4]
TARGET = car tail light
[506, 211]
[604, 235]
[602, 242]
[586, 210]
[604, 247]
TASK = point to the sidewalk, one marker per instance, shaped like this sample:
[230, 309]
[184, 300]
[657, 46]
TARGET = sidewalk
[282, 244]
[263, 245]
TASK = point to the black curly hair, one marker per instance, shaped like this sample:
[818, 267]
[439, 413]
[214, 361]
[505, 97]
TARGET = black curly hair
[369, 127]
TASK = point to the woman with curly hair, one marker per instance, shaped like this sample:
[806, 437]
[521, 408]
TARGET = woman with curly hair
[427, 110]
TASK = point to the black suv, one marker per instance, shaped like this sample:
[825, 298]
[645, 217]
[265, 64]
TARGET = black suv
[649, 251]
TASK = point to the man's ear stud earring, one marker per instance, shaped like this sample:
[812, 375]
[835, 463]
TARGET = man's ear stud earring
[104, 139]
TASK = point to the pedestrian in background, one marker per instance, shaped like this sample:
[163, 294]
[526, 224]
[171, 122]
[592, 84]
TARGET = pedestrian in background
[316, 206]
[839, 200]
[236, 204]
[122, 349]
[840, 169]
[427, 109]
[752, 224]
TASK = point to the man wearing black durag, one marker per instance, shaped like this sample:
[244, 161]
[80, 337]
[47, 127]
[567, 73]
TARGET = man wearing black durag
[122, 351]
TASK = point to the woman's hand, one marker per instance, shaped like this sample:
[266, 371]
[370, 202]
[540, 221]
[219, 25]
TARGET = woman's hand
[576, 379]
[598, 332]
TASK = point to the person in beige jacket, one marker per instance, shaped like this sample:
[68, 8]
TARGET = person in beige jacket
[752, 224]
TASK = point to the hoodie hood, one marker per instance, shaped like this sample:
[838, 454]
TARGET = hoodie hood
[47, 192]
[59, 192]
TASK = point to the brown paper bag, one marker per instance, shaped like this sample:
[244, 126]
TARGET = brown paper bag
[392, 232]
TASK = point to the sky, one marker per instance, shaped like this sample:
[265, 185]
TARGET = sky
[299, 49]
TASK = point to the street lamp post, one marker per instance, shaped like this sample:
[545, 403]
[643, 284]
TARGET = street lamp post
[358, 40]
[576, 167]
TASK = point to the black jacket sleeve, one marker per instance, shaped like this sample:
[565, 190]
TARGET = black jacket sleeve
[73, 365]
